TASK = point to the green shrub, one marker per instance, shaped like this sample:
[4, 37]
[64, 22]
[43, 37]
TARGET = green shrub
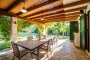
[5, 45]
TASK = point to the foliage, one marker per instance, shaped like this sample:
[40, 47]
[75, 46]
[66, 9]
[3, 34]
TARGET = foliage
[49, 32]
[57, 27]
[49, 28]
[36, 31]
[4, 45]
[5, 27]
[30, 29]
[22, 24]
[64, 27]
[40, 27]
[49, 25]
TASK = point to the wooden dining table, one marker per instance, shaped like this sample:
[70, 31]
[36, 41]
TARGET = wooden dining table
[34, 45]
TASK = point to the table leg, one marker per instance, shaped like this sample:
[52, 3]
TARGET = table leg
[38, 53]
[31, 56]
[47, 48]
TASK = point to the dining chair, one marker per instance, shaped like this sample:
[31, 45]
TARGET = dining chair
[29, 37]
[47, 46]
[55, 42]
[17, 52]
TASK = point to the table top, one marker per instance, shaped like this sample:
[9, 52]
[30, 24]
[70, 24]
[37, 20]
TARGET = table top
[32, 44]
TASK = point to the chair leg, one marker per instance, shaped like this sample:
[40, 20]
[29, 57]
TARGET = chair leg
[31, 56]
[19, 58]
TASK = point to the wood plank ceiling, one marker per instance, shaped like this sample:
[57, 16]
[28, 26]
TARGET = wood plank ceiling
[50, 10]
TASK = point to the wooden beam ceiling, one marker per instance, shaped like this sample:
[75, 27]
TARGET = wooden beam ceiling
[40, 5]
[59, 12]
[61, 15]
[15, 4]
[59, 7]
[56, 20]
[10, 14]
[59, 18]
[56, 12]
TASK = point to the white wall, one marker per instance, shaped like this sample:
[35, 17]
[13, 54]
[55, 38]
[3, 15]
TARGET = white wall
[88, 7]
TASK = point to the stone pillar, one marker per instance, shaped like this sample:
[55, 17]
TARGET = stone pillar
[44, 30]
[13, 29]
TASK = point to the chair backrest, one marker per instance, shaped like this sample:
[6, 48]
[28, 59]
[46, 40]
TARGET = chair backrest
[15, 49]
[29, 37]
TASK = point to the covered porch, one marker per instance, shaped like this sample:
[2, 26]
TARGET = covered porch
[65, 51]
[41, 12]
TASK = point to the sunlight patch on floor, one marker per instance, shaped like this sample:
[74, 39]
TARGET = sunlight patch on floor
[54, 50]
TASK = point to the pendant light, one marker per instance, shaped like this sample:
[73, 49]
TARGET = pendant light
[42, 18]
[23, 9]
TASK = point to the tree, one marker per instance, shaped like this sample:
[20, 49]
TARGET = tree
[40, 28]
[56, 28]
[5, 29]
[5, 24]
[36, 31]
[22, 24]
[30, 29]
[64, 27]
[49, 28]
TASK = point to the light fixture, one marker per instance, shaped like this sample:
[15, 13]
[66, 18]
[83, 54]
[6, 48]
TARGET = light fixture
[15, 22]
[23, 9]
[42, 18]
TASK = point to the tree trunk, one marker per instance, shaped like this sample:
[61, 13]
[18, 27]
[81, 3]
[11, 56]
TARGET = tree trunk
[63, 34]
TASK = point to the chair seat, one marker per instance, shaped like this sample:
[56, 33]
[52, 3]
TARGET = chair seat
[18, 51]
[24, 52]
[21, 49]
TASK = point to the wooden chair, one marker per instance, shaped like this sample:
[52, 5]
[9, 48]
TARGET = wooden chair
[55, 42]
[29, 37]
[47, 46]
[18, 53]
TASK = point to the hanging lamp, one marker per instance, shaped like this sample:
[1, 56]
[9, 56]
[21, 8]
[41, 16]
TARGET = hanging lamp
[23, 9]
[42, 18]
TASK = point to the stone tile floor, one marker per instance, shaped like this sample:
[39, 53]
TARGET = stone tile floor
[64, 51]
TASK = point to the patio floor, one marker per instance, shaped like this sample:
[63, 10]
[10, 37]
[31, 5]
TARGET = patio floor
[64, 51]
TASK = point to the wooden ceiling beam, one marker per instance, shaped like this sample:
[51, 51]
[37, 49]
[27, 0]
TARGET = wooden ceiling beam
[60, 7]
[48, 14]
[15, 4]
[77, 3]
[44, 11]
[10, 14]
[66, 19]
[56, 20]
[59, 15]
[80, 8]
[59, 12]
[63, 17]
[73, 14]
[40, 5]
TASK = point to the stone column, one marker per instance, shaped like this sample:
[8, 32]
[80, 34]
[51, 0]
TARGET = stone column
[13, 29]
[44, 30]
